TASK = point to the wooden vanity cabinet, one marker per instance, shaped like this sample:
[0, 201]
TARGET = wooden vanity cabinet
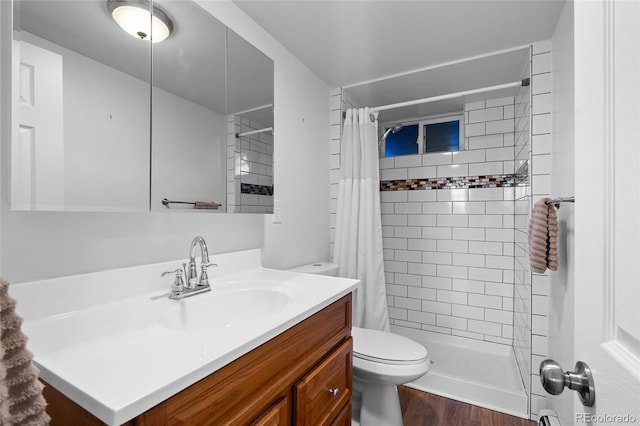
[301, 377]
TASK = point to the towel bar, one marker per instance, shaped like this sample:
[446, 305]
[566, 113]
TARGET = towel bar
[166, 202]
[556, 201]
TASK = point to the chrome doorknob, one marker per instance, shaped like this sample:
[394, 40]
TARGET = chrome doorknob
[554, 380]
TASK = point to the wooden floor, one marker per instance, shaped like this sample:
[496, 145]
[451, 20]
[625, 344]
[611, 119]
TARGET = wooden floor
[425, 409]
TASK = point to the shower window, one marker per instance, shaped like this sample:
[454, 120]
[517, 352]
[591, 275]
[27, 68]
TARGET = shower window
[443, 134]
[403, 141]
[429, 135]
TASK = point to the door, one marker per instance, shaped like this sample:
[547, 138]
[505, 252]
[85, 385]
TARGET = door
[37, 146]
[607, 136]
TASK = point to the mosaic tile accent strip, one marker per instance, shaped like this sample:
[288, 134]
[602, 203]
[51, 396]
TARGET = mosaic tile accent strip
[462, 182]
[248, 188]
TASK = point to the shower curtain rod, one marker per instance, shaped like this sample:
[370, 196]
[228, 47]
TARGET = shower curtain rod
[524, 82]
[252, 132]
[254, 109]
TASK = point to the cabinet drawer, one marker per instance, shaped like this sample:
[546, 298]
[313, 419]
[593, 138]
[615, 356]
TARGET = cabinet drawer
[322, 394]
[344, 418]
[276, 415]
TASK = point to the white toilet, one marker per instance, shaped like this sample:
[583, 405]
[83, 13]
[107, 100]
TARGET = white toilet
[381, 362]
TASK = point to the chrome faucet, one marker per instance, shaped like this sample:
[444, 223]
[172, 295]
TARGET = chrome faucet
[192, 275]
[194, 284]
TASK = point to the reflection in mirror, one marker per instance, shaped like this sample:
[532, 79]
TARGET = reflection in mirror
[249, 128]
[80, 136]
[83, 134]
[189, 112]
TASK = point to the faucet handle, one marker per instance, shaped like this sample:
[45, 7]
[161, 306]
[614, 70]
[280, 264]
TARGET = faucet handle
[176, 271]
[178, 284]
[204, 278]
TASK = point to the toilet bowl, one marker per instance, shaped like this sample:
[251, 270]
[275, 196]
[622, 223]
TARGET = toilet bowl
[381, 362]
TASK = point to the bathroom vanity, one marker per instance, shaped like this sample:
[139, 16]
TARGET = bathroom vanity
[302, 376]
[263, 347]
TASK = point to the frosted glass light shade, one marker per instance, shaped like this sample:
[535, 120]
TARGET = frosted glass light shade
[136, 19]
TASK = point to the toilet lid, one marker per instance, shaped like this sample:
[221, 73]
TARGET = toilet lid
[385, 347]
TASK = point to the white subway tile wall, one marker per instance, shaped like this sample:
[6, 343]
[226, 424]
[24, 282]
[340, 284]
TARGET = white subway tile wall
[448, 256]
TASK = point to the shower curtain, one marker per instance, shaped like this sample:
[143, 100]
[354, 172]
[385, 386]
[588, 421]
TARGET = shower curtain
[358, 245]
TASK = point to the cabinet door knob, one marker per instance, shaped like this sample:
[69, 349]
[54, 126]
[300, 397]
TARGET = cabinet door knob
[334, 392]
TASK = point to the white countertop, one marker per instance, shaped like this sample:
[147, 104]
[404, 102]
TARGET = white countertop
[119, 358]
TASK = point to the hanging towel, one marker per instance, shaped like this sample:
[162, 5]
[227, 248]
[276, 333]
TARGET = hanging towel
[206, 205]
[21, 400]
[543, 237]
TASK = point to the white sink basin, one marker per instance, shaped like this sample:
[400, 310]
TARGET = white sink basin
[212, 311]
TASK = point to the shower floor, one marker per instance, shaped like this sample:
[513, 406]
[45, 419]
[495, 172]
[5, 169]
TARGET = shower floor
[476, 372]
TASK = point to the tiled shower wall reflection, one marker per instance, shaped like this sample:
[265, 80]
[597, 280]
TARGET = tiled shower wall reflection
[249, 168]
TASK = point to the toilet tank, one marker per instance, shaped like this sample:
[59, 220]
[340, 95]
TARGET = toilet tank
[317, 268]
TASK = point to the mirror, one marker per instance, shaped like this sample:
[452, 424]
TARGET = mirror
[111, 129]
[250, 139]
[188, 112]
[80, 137]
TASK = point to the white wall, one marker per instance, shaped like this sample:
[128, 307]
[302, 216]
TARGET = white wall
[562, 286]
[43, 244]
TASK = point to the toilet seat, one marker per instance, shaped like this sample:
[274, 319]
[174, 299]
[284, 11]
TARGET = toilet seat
[386, 348]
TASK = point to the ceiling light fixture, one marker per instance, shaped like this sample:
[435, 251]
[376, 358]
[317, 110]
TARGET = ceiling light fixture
[136, 18]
